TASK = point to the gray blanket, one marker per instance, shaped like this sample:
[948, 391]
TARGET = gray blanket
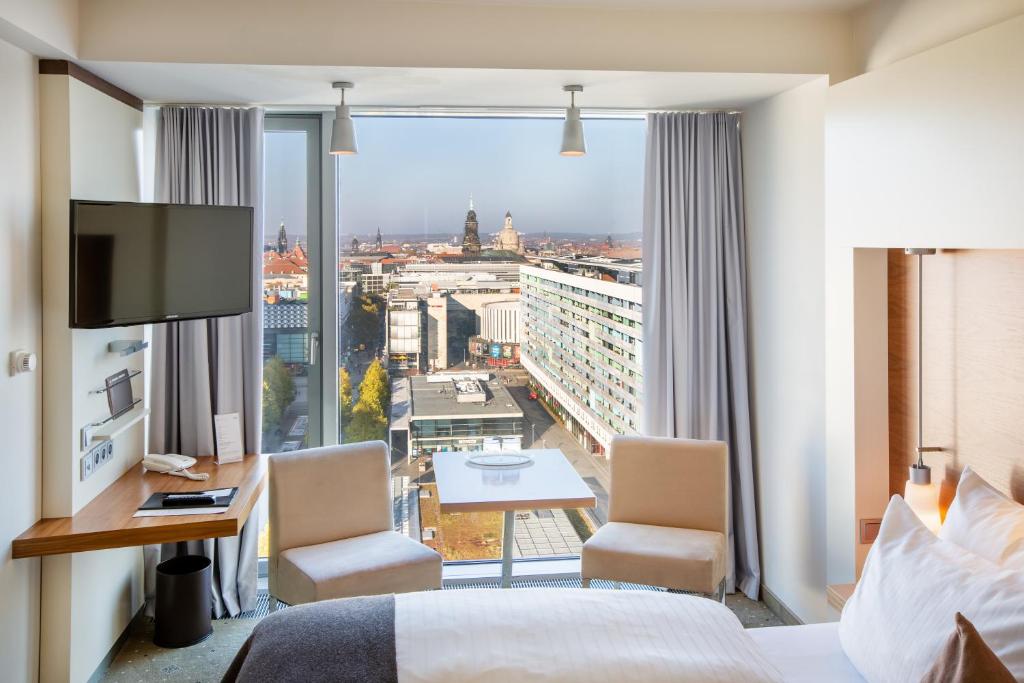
[342, 641]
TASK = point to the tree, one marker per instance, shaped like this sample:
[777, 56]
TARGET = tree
[365, 425]
[375, 390]
[363, 319]
[370, 414]
[344, 397]
[278, 392]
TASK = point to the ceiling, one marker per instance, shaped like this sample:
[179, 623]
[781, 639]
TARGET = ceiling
[394, 87]
[758, 5]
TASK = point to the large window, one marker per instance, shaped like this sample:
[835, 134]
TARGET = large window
[458, 246]
[468, 245]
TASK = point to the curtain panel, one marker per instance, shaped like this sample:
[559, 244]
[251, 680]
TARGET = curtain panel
[211, 155]
[694, 307]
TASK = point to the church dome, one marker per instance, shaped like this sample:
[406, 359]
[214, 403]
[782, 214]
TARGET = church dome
[508, 237]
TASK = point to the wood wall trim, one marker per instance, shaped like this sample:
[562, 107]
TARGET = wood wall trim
[63, 67]
[973, 369]
[838, 594]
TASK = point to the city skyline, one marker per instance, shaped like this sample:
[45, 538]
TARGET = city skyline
[414, 177]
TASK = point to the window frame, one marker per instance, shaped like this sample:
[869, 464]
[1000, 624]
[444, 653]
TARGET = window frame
[318, 240]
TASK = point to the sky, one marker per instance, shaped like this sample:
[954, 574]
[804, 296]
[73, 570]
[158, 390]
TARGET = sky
[415, 175]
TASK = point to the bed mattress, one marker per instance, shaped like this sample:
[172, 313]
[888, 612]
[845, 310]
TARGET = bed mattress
[806, 653]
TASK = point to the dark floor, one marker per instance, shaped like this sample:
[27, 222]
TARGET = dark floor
[140, 660]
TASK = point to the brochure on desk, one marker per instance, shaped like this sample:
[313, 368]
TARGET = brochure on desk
[154, 506]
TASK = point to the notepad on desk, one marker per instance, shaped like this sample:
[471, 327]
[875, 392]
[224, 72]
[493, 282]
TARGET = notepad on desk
[208, 502]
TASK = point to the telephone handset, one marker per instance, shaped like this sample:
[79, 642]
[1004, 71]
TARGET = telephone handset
[171, 463]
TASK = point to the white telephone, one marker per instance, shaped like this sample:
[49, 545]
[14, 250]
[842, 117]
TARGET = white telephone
[174, 464]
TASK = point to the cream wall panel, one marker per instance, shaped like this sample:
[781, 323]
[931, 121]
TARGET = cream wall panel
[90, 150]
[20, 327]
[432, 34]
[106, 142]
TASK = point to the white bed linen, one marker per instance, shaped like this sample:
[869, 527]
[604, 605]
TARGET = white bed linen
[806, 654]
[572, 635]
[902, 612]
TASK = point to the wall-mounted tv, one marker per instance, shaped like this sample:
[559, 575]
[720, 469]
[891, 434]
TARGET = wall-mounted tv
[148, 263]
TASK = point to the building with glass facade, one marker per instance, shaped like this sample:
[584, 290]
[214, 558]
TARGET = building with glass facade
[286, 331]
[581, 342]
[462, 412]
[405, 322]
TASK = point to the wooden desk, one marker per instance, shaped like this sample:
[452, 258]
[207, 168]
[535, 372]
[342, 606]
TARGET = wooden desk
[107, 522]
[549, 482]
[838, 594]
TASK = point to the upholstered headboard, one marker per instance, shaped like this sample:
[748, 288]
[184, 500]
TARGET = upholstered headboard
[973, 362]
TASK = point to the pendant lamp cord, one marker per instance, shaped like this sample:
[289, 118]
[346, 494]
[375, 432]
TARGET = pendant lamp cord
[920, 359]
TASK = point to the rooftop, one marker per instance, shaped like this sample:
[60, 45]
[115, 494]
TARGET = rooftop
[439, 396]
[623, 271]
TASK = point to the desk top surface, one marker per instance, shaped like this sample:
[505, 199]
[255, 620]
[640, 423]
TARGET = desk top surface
[549, 482]
[107, 521]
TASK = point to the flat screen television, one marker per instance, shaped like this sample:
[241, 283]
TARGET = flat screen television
[148, 263]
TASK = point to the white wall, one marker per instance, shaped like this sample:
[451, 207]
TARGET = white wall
[90, 149]
[20, 328]
[783, 176]
[930, 148]
[887, 31]
[924, 152]
[46, 28]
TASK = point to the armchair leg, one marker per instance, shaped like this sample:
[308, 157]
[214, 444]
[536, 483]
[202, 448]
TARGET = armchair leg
[585, 582]
[273, 604]
[720, 593]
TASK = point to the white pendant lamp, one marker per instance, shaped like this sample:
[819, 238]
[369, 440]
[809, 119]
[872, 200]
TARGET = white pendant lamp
[343, 135]
[573, 142]
[921, 493]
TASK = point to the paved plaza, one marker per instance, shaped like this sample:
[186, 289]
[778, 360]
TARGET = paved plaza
[543, 533]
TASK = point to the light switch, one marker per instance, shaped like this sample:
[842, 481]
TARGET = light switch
[869, 530]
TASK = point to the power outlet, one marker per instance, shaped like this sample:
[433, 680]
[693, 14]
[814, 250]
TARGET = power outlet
[87, 468]
[96, 458]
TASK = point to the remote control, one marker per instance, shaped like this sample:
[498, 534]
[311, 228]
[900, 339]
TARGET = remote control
[188, 501]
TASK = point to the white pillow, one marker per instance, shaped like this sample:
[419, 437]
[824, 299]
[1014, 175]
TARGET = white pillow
[902, 611]
[984, 521]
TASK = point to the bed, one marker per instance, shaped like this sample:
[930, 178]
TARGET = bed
[806, 654]
[544, 635]
[907, 620]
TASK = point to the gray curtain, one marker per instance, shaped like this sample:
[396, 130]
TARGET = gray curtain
[695, 300]
[211, 155]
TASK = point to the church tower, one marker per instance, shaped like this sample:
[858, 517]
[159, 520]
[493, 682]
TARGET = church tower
[282, 240]
[355, 245]
[471, 235]
[380, 241]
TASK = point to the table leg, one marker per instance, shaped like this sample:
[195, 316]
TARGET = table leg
[508, 538]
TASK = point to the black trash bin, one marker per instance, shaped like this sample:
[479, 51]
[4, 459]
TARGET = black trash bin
[183, 601]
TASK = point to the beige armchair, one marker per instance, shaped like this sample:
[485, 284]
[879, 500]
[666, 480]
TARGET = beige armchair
[332, 528]
[667, 516]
